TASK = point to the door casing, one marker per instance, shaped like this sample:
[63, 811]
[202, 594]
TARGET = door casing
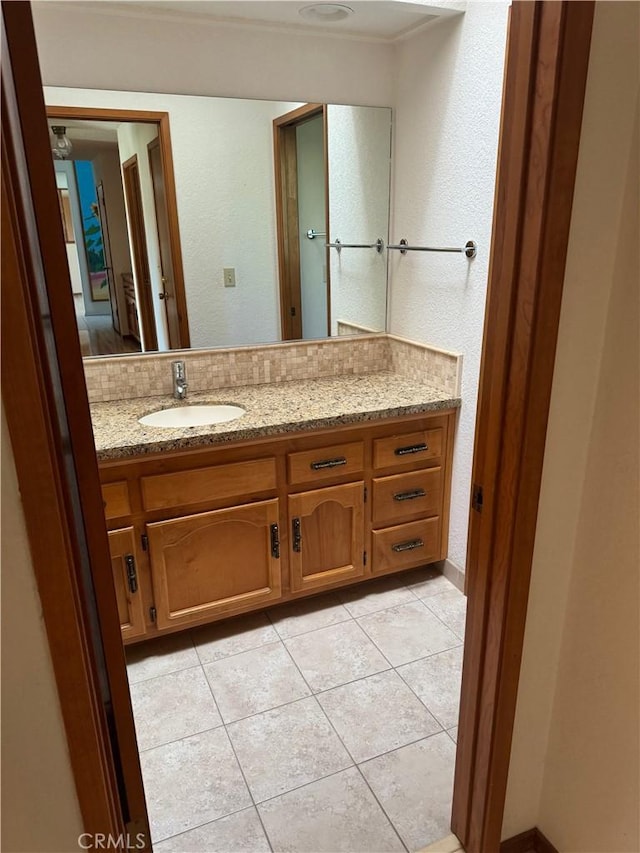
[161, 119]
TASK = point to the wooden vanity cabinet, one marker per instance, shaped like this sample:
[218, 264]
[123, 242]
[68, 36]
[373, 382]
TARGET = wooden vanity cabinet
[214, 562]
[125, 565]
[218, 531]
[327, 536]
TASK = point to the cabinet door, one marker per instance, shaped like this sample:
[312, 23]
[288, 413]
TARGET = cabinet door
[327, 536]
[122, 546]
[214, 562]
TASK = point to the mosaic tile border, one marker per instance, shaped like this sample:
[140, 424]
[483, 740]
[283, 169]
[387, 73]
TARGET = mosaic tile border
[124, 378]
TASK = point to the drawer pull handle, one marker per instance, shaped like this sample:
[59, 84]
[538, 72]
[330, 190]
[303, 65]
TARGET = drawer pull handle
[412, 448]
[409, 496]
[408, 546]
[297, 534]
[329, 463]
[275, 541]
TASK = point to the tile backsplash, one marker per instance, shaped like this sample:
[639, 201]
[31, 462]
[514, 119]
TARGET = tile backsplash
[119, 378]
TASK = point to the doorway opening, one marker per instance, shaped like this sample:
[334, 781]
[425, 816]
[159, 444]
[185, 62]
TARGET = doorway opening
[126, 271]
[302, 221]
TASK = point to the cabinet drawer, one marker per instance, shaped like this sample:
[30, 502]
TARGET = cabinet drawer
[405, 496]
[186, 488]
[311, 466]
[410, 448]
[115, 497]
[406, 545]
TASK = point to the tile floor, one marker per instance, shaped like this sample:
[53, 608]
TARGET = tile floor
[324, 725]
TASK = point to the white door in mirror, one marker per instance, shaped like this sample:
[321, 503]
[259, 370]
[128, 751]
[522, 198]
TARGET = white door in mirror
[188, 416]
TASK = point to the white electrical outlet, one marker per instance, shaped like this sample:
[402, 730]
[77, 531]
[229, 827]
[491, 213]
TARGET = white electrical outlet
[229, 275]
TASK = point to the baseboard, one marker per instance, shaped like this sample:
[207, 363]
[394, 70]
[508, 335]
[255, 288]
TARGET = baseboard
[531, 841]
[453, 573]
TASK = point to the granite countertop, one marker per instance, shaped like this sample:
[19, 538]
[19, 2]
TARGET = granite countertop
[271, 409]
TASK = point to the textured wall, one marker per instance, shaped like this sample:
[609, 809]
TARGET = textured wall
[360, 160]
[446, 123]
[574, 760]
[106, 168]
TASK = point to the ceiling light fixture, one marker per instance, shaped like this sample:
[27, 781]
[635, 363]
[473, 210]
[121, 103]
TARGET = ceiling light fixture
[62, 146]
[326, 12]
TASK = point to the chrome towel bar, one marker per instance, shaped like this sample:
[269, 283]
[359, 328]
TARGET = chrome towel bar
[470, 249]
[339, 245]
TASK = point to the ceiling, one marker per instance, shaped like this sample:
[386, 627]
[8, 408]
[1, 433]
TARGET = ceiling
[90, 131]
[385, 20]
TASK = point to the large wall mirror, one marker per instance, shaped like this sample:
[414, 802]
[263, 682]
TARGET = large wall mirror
[220, 222]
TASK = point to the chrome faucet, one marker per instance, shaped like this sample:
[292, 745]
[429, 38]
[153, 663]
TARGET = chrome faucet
[180, 384]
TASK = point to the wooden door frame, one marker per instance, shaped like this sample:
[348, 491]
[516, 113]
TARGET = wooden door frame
[161, 119]
[140, 257]
[284, 157]
[544, 86]
[49, 423]
[545, 77]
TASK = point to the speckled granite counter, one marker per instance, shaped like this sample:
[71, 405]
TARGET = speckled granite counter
[271, 409]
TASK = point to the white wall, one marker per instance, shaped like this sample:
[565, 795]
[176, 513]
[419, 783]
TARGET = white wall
[106, 168]
[133, 140]
[574, 764]
[446, 124]
[40, 808]
[359, 143]
[199, 58]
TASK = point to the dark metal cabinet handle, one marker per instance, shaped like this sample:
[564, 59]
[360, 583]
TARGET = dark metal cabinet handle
[408, 546]
[409, 496]
[297, 534]
[275, 541]
[329, 463]
[412, 448]
[132, 575]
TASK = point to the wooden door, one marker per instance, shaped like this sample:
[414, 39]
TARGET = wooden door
[214, 562]
[135, 215]
[287, 223]
[124, 562]
[327, 536]
[168, 294]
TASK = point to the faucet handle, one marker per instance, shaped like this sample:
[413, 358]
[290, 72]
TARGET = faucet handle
[178, 369]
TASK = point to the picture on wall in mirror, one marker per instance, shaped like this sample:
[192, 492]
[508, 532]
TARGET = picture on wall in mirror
[220, 222]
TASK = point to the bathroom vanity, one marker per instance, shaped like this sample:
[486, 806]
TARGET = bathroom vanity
[305, 493]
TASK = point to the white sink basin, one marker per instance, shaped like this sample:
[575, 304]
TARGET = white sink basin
[188, 416]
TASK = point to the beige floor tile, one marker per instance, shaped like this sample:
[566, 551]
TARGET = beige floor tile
[300, 617]
[255, 681]
[241, 832]
[428, 582]
[436, 680]
[414, 785]
[453, 734]
[173, 706]
[335, 655]
[408, 632]
[451, 608]
[285, 748]
[450, 844]
[160, 656]
[377, 714]
[333, 815]
[371, 597]
[222, 639]
[191, 782]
